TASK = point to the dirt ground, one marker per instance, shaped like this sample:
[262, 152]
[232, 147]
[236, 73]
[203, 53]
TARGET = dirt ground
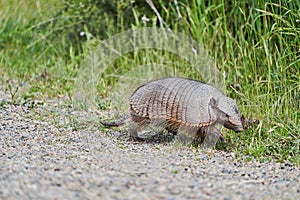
[53, 153]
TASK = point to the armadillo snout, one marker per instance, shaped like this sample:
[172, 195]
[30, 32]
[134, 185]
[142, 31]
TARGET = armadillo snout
[235, 126]
[239, 129]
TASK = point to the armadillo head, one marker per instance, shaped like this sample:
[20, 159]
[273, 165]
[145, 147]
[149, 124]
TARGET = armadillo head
[227, 113]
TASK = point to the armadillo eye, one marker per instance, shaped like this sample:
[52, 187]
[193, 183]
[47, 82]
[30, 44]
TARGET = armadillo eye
[236, 110]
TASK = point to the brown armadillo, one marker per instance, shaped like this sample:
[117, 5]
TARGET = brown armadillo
[181, 103]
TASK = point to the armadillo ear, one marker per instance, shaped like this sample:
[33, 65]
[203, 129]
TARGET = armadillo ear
[213, 102]
[212, 111]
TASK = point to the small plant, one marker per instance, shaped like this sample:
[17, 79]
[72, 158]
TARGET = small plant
[13, 89]
[175, 171]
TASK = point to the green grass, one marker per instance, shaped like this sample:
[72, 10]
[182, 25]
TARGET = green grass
[256, 45]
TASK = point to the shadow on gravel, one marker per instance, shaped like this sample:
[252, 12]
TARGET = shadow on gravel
[146, 137]
[163, 138]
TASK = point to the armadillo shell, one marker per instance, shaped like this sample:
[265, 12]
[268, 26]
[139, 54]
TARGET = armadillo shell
[179, 101]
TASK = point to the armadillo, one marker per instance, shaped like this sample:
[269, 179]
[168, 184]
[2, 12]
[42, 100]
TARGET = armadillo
[183, 103]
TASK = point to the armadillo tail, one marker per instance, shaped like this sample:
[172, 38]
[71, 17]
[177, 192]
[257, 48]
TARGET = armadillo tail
[117, 122]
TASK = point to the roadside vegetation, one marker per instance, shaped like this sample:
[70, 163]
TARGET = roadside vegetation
[256, 45]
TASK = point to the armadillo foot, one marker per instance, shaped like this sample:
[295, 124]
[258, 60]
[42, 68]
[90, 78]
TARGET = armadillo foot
[137, 139]
[221, 138]
[172, 130]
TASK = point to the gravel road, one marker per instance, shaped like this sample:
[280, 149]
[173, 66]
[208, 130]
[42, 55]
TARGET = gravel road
[52, 153]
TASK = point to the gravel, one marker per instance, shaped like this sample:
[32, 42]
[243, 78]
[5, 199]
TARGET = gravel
[49, 151]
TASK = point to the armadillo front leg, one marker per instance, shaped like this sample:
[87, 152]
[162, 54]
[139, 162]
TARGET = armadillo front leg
[213, 131]
[210, 132]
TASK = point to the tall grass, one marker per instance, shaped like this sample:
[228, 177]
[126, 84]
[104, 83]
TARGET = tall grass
[255, 44]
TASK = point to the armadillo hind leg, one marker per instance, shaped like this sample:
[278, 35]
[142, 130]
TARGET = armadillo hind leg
[133, 132]
[136, 124]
